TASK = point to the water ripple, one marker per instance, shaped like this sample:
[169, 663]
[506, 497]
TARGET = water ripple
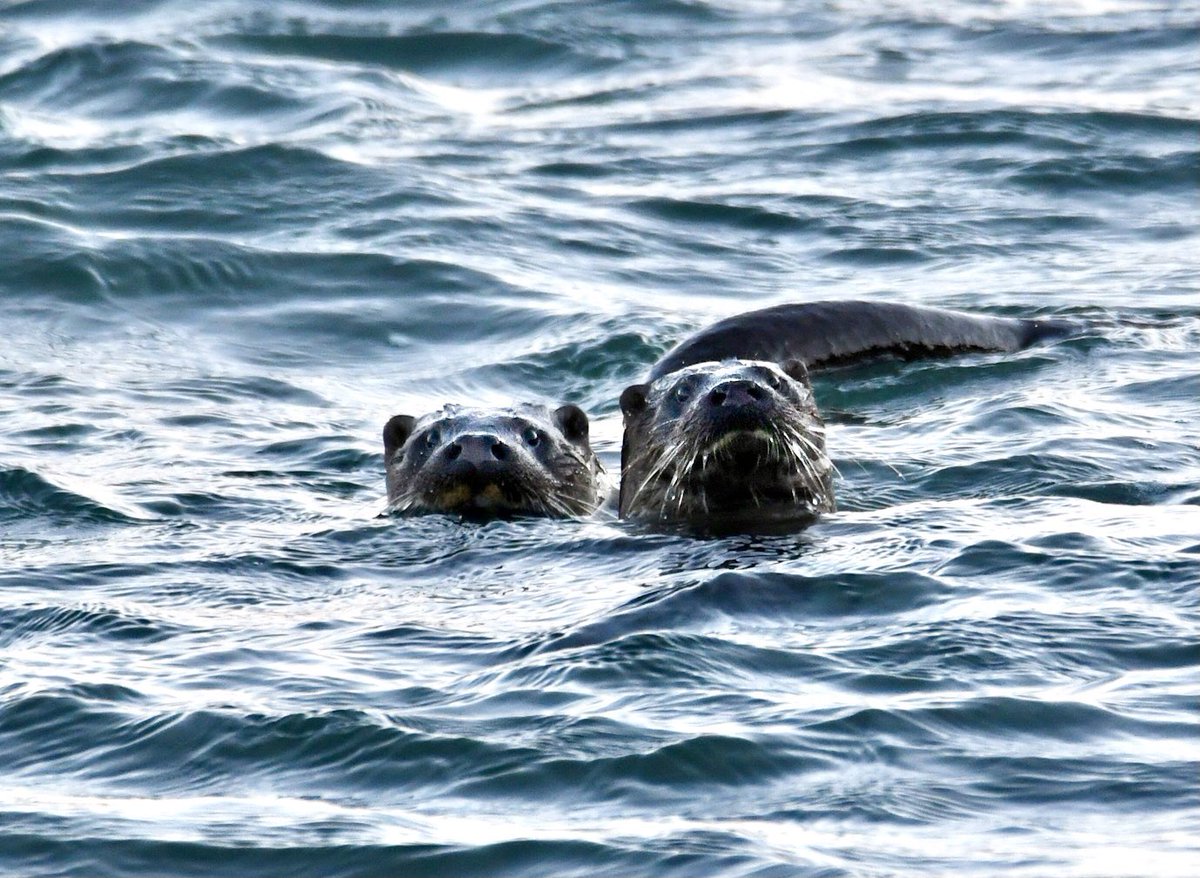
[237, 238]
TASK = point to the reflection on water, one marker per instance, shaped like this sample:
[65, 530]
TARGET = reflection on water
[237, 239]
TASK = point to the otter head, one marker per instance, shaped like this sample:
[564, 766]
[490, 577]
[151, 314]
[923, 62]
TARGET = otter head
[737, 444]
[521, 461]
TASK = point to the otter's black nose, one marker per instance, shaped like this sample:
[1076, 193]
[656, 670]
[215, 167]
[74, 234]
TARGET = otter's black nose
[736, 393]
[478, 449]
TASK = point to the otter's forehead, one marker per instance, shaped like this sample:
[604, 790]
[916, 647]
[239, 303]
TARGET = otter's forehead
[456, 417]
[707, 374]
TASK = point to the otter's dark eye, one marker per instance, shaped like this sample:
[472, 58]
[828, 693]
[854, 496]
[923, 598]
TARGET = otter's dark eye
[433, 438]
[683, 393]
[532, 437]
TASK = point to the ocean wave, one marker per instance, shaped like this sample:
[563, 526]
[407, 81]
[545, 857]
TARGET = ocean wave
[25, 494]
[236, 238]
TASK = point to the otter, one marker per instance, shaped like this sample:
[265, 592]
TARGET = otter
[524, 460]
[726, 435]
[729, 445]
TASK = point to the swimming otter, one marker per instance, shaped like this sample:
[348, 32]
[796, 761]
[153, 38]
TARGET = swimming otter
[725, 444]
[735, 445]
[721, 437]
[525, 460]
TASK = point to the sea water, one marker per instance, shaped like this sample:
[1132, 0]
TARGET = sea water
[236, 237]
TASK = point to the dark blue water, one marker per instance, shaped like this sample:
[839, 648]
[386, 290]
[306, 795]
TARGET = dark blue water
[236, 237]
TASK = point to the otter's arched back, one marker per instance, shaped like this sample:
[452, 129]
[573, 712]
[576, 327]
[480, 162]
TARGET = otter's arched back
[835, 332]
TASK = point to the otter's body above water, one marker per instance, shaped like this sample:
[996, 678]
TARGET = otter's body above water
[837, 332]
[697, 454]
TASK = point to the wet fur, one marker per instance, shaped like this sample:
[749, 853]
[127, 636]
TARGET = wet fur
[548, 469]
[687, 461]
[674, 469]
[845, 331]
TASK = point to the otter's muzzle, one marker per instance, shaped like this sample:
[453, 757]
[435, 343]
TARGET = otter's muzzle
[475, 468]
[737, 394]
[736, 405]
[478, 449]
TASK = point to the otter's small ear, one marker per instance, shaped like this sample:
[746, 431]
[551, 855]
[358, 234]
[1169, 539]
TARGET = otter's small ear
[633, 399]
[796, 370]
[572, 421]
[396, 432]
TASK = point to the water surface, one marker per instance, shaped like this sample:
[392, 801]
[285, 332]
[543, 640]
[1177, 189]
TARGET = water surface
[237, 237]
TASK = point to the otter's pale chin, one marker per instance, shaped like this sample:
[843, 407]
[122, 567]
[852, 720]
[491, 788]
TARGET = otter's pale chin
[740, 441]
[452, 498]
[490, 497]
[463, 496]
